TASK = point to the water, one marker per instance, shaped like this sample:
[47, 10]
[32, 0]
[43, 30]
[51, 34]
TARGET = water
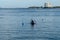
[15, 24]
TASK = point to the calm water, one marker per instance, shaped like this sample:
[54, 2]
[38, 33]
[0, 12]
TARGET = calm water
[47, 25]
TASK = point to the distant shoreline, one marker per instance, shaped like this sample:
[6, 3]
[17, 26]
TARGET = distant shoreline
[33, 8]
[44, 7]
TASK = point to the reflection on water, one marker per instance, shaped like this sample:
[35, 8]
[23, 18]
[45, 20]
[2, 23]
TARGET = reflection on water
[17, 25]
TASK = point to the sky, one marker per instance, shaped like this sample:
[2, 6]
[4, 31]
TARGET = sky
[26, 3]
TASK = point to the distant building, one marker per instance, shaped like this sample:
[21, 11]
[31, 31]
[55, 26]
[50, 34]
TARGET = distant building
[47, 5]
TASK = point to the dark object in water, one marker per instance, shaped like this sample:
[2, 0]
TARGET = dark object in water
[32, 23]
[22, 23]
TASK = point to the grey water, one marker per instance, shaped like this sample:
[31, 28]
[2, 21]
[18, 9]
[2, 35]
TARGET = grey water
[15, 24]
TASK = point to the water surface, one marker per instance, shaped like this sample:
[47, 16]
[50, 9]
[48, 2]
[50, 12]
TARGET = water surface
[47, 25]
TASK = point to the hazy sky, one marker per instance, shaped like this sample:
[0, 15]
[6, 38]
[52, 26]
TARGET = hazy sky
[26, 3]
